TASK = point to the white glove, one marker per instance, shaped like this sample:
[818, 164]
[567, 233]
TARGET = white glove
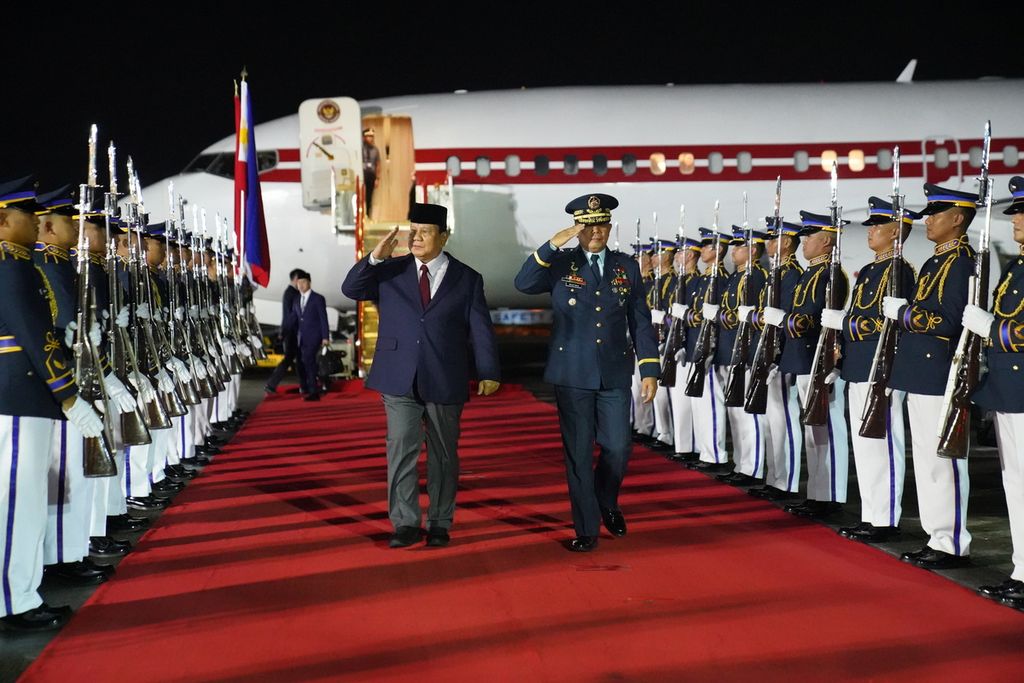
[832, 377]
[69, 334]
[84, 417]
[891, 306]
[212, 349]
[198, 367]
[657, 317]
[229, 348]
[773, 371]
[118, 393]
[95, 335]
[245, 351]
[978, 320]
[143, 386]
[193, 312]
[158, 314]
[105, 314]
[178, 367]
[142, 311]
[256, 341]
[122, 318]
[681, 355]
[679, 310]
[211, 369]
[164, 381]
[774, 316]
[743, 313]
[212, 310]
[832, 318]
[204, 313]
[179, 313]
[709, 311]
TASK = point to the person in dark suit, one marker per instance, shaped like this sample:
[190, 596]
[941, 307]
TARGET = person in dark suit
[289, 336]
[309, 320]
[597, 297]
[433, 318]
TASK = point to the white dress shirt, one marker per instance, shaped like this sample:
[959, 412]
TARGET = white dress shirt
[436, 268]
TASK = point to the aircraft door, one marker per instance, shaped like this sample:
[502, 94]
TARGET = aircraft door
[941, 161]
[330, 152]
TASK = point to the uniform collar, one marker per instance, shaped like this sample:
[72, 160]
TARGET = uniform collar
[18, 251]
[884, 256]
[818, 260]
[951, 245]
[47, 249]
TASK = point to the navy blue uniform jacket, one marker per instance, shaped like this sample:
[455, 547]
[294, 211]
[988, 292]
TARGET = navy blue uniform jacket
[1000, 388]
[590, 348]
[802, 323]
[429, 346]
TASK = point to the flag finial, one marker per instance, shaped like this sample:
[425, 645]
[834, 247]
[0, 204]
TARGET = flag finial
[245, 73]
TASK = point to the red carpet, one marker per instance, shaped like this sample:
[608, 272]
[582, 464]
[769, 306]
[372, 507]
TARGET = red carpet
[273, 566]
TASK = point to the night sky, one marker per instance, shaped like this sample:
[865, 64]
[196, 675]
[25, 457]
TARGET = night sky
[161, 86]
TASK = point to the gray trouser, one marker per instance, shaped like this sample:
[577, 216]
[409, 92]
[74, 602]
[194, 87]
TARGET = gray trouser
[408, 418]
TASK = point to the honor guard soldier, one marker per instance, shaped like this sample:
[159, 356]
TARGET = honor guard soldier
[40, 390]
[931, 323]
[783, 438]
[597, 297]
[661, 303]
[709, 409]
[1000, 391]
[748, 278]
[683, 438]
[881, 463]
[643, 411]
[827, 449]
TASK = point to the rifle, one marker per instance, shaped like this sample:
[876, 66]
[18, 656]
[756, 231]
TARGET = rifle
[707, 338]
[968, 361]
[736, 381]
[874, 420]
[769, 344]
[815, 409]
[178, 340]
[676, 331]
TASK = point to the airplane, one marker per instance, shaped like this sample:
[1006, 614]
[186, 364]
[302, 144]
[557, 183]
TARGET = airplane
[506, 162]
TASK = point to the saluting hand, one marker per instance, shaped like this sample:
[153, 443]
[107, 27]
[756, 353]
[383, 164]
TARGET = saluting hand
[487, 387]
[386, 246]
[563, 236]
[648, 388]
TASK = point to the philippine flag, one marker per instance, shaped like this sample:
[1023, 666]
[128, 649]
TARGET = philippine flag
[250, 224]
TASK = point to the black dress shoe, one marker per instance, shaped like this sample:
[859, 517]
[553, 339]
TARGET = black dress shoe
[437, 537]
[869, 533]
[168, 486]
[41, 618]
[105, 546]
[127, 523]
[83, 573]
[850, 531]
[660, 446]
[711, 467]
[1010, 586]
[614, 522]
[180, 472]
[312, 397]
[148, 504]
[404, 536]
[817, 508]
[771, 493]
[685, 457]
[582, 544]
[737, 479]
[929, 558]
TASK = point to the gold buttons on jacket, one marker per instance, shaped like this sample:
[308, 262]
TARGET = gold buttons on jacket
[599, 324]
[598, 341]
[599, 308]
[597, 293]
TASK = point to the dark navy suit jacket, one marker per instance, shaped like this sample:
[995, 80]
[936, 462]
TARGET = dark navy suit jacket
[311, 324]
[429, 346]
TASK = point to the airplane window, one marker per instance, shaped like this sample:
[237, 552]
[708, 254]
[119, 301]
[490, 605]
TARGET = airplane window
[199, 164]
[715, 162]
[512, 165]
[571, 166]
[223, 163]
[827, 157]
[453, 166]
[884, 159]
[801, 161]
[1011, 155]
[974, 157]
[628, 164]
[658, 163]
[483, 167]
[941, 157]
[744, 162]
[541, 165]
[855, 160]
[264, 160]
[686, 163]
[600, 164]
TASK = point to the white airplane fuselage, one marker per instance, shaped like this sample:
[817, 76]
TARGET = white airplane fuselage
[654, 149]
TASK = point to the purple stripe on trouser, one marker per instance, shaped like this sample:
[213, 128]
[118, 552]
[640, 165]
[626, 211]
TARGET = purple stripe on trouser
[789, 432]
[62, 474]
[831, 455]
[957, 503]
[128, 470]
[15, 432]
[757, 444]
[892, 467]
[714, 413]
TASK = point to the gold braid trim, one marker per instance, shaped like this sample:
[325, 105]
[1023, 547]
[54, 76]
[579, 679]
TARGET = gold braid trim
[51, 298]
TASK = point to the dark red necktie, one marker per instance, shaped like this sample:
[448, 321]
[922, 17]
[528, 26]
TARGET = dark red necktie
[424, 285]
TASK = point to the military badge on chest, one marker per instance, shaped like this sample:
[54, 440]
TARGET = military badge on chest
[620, 284]
[573, 281]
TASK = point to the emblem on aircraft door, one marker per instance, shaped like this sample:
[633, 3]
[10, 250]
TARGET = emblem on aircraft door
[328, 111]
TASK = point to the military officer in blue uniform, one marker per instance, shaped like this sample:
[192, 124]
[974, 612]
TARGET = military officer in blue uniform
[660, 301]
[749, 277]
[783, 438]
[39, 390]
[597, 297]
[1000, 391]
[881, 463]
[931, 324]
[827, 449]
[709, 409]
[683, 438]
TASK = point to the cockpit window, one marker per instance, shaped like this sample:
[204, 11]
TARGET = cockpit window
[223, 163]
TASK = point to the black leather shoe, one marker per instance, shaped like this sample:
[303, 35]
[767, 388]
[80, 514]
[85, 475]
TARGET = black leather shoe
[737, 479]
[660, 446]
[711, 467]
[437, 537]
[850, 531]
[614, 522]
[816, 508]
[149, 503]
[180, 473]
[771, 493]
[869, 533]
[930, 558]
[105, 546]
[168, 486]
[42, 618]
[1010, 586]
[84, 573]
[312, 397]
[582, 544]
[685, 457]
[912, 555]
[127, 523]
[404, 536]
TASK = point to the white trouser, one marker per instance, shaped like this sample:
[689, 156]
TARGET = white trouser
[69, 498]
[747, 439]
[783, 437]
[185, 434]
[643, 413]
[682, 413]
[236, 386]
[828, 452]
[25, 445]
[222, 404]
[709, 416]
[136, 467]
[163, 443]
[201, 426]
[881, 463]
[942, 483]
[663, 416]
[1010, 436]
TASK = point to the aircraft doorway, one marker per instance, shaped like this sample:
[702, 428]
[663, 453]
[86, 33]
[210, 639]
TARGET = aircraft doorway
[396, 165]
